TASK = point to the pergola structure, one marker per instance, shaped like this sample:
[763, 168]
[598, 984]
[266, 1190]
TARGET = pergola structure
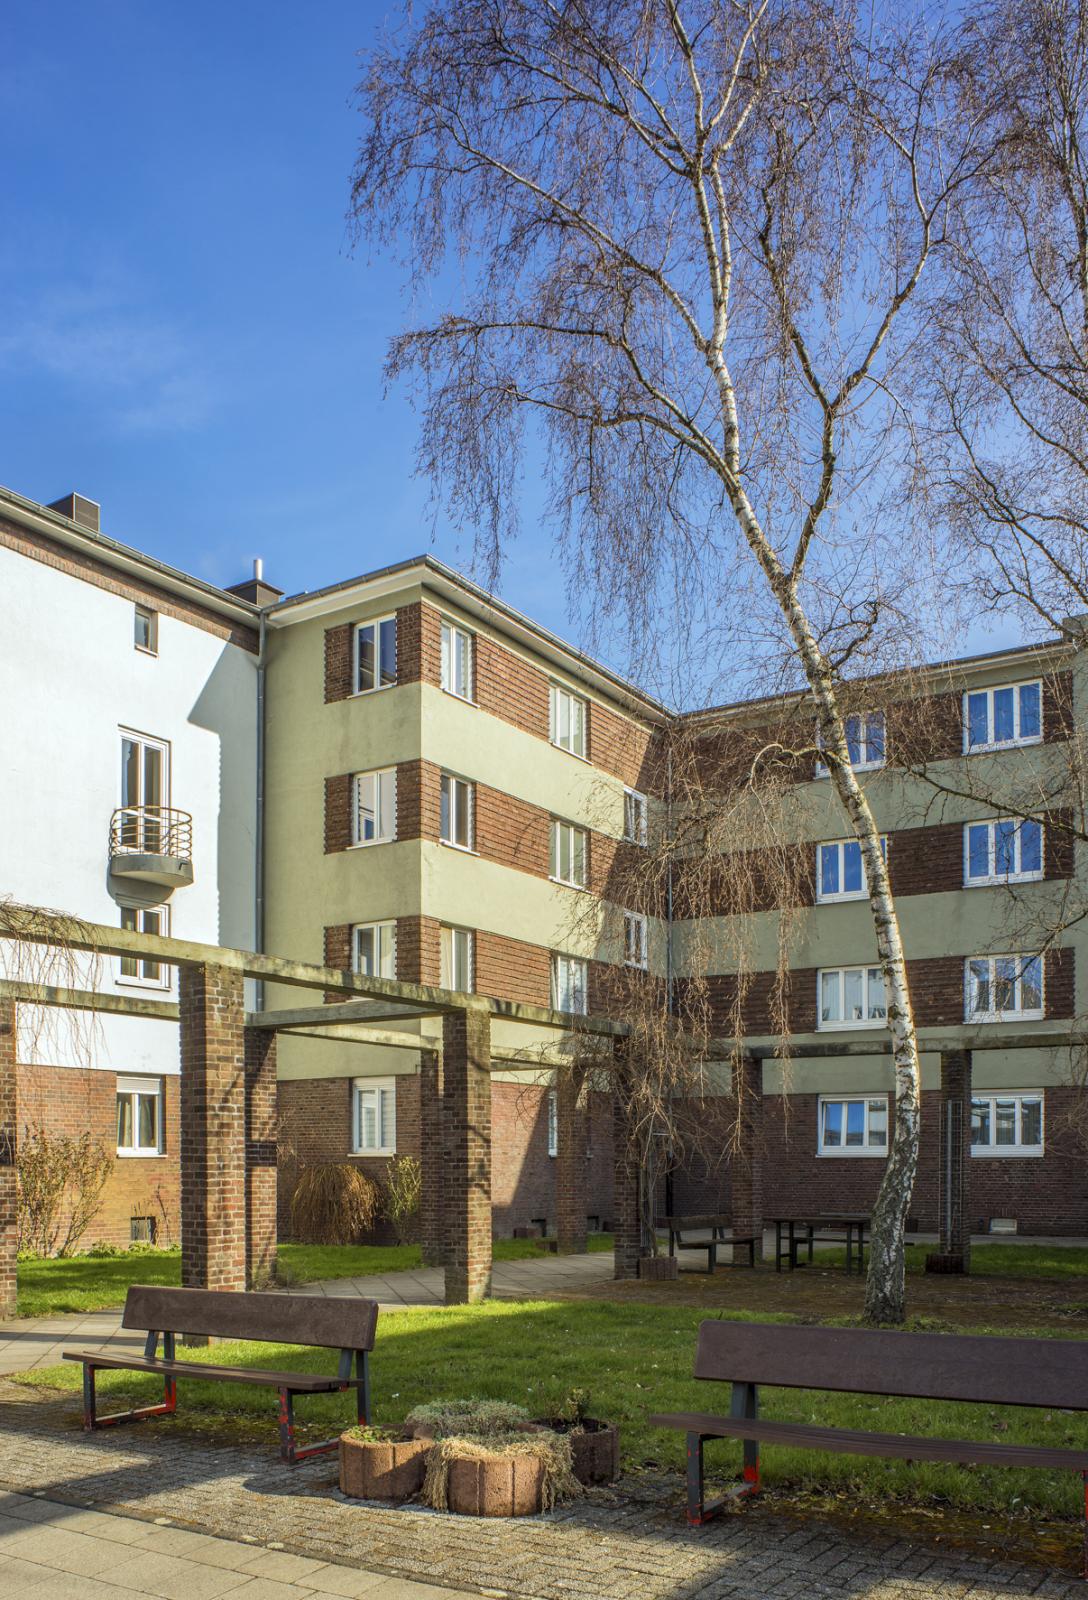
[228, 1155]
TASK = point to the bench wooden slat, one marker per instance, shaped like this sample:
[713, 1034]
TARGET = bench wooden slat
[850, 1441]
[986, 1369]
[305, 1382]
[334, 1322]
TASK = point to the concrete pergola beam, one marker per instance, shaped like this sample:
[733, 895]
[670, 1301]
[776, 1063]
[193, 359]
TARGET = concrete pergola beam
[927, 1044]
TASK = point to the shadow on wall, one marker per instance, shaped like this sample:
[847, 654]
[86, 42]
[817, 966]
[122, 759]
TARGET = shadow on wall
[227, 708]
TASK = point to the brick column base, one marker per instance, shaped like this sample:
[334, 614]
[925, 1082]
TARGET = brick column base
[466, 1116]
[954, 1156]
[570, 1161]
[213, 1129]
[261, 1158]
[746, 1212]
[626, 1214]
[9, 1232]
[432, 1212]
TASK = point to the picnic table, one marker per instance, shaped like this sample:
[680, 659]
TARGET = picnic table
[795, 1233]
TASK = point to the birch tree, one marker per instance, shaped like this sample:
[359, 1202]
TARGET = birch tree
[684, 240]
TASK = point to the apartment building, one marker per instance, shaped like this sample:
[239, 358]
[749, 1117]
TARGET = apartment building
[127, 797]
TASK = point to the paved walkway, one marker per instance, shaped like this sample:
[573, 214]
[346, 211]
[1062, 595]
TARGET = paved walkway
[27, 1342]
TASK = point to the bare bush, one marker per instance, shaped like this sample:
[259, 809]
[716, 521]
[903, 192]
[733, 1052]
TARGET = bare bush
[403, 1195]
[60, 1180]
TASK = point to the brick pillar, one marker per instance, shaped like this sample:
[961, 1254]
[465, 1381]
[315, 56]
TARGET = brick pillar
[626, 1215]
[261, 1176]
[432, 1211]
[213, 1129]
[746, 1170]
[466, 1119]
[570, 1161]
[9, 1235]
[954, 1157]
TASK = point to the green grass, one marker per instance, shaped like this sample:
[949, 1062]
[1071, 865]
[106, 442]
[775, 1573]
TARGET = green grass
[634, 1359]
[96, 1283]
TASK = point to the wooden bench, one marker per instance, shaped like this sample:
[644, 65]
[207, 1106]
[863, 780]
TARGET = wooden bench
[925, 1366]
[334, 1322]
[719, 1235]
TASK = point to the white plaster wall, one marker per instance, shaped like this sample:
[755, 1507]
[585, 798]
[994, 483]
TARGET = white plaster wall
[70, 680]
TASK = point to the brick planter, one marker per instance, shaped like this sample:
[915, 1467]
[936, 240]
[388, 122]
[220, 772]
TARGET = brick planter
[382, 1469]
[658, 1269]
[495, 1486]
[594, 1449]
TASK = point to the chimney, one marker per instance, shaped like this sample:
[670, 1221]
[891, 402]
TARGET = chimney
[87, 513]
[255, 590]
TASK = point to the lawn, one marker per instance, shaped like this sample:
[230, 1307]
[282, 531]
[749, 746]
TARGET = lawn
[633, 1358]
[95, 1283]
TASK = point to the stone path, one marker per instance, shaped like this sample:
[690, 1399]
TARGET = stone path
[624, 1544]
[27, 1342]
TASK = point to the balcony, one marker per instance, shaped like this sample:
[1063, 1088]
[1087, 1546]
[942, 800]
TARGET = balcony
[153, 844]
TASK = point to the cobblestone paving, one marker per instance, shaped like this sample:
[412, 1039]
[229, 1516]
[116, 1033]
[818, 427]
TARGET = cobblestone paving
[610, 1546]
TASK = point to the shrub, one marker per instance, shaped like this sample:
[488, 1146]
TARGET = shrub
[60, 1182]
[403, 1190]
[333, 1203]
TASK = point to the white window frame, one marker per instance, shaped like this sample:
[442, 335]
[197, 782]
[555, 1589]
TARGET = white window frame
[840, 1025]
[151, 648]
[451, 937]
[1003, 1152]
[1015, 1014]
[160, 976]
[636, 940]
[457, 798]
[558, 696]
[553, 1123]
[133, 1086]
[568, 834]
[383, 800]
[853, 1152]
[452, 632]
[379, 1087]
[867, 764]
[841, 846]
[1017, 740]
[385, 936]
[376, 623]
[564, 969]
[640, 806]
[991, 876]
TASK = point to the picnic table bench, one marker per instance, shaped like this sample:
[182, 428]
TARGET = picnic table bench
[719, 1226]
[927, 1366]
[824, 1227]
[328, 1322]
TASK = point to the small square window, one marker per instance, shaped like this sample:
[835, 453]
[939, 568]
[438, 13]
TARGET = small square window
[374, 1117]
[146, 630]
[139, 1117]
[854, 1127]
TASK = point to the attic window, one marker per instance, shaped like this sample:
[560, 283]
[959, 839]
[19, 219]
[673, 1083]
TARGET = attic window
[146, 630]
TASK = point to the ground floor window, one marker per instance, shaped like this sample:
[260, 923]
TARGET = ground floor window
[854, 1127]
[374, 1116]
[139, 1117]
[1007, 1124]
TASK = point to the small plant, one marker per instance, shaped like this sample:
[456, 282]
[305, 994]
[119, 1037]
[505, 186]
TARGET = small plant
[403, 1193]
[60, 1180]
[367, 1433]
[575, 1408]
[333, 1203]
[467, 1417]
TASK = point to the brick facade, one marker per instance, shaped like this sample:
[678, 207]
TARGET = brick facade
[466, 1130]
[213, 1128]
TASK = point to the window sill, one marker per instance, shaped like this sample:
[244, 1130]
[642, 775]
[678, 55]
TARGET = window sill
[141, 1155]
[851, 1155]
[567, 752]
[878, 1024]
[842, 899]
[1003, 881]
[465, 700]
[143, 650]
[368, 844]
[147, 984]
[386, 1150]
[1007, 1152]
[462, 849]
[564, 883]
[1005, 1016]
[856, 766]
[1004, 744]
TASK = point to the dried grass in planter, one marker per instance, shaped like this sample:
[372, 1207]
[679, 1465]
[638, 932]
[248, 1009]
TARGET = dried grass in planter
[466, 1418]
[552, 1449]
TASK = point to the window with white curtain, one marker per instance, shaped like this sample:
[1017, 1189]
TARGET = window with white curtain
[1004, 1123]
[1003, 987]
[568, 720]
[635, 807]
[374, 807]
[636, 942]
[568, 854]
[455, 822]
[569, 992]
[139, 1117]
[456, 661]
[850, 997]
[457, 962]
[374, 949]
[857, 1126]
[374, 1116]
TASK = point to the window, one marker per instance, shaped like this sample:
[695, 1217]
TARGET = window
[569, 984]
[853, 1127]
[145, 791]
[456, 661]
[634, 816]
[839, 871]
[1002, 851]
[374, 1116]
[1004, 986]
[568, 721]
[145, 634]
[457, 959]
[635, 939]
[1007, 1125]
[553, 1123]
[139, 1117]
[455, 825]
[864, 742]
[138, 969]
[850, 997]
[375, 655]
[374, 807]
[994, 718]
[568, 863]
[374, 949]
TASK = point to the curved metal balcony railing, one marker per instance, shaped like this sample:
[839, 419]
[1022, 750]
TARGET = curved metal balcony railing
[151, 831]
